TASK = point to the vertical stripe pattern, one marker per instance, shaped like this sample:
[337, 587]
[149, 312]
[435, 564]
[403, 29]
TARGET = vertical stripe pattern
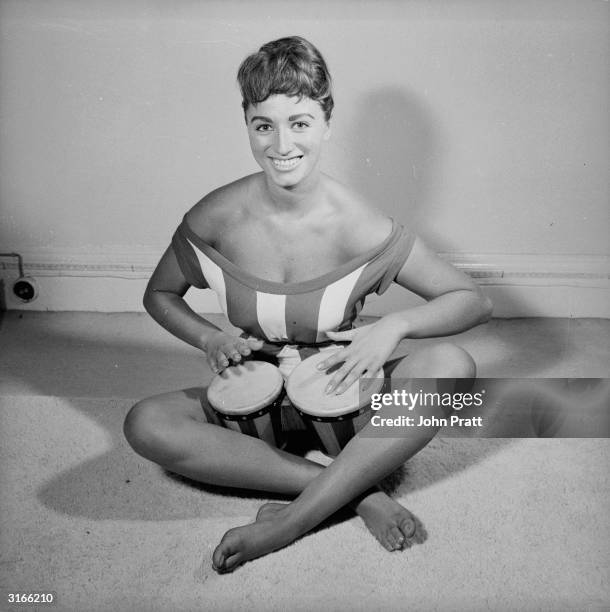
[334, 303]
[271, 315]
[242, 308]
[302, 314]
[214, 276]
[296, 313]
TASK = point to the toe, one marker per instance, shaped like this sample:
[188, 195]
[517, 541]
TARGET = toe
[420, 535]
[414, 531]
[228, 546]
[383, 539]
[233, 562]
[387, 545]
[396, 538]
[408, 526]
[218, 557]
[218, 560]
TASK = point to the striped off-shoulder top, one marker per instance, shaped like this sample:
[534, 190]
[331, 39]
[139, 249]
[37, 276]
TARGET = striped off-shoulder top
[297, 313]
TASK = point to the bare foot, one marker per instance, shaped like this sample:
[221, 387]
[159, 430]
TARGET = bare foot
[392, 524]
[242, 544]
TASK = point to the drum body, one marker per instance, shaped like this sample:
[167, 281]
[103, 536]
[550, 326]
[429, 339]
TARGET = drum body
[247, 398]
[334, 418]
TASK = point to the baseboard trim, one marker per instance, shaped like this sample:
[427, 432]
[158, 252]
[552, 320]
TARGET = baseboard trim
[110, 262]
[113, 280]
[493, 267]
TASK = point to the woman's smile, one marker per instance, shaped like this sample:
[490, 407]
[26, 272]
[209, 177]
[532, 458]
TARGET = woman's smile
[286, 164]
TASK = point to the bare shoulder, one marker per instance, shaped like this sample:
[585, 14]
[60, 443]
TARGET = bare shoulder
[364, 226]
[220, 208]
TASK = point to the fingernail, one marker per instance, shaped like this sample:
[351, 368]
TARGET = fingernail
[328, 389]
[320, 366]
[340, 389]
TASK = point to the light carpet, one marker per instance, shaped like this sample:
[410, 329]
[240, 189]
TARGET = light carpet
[513, 524]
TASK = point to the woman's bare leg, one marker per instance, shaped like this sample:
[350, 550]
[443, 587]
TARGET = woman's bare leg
[360, 465]
[171, 430]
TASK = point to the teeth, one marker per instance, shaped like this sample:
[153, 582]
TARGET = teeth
[286, 164]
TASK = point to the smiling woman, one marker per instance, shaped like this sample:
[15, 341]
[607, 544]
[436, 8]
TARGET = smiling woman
[286, 136]
[292, 254]
[287, 101]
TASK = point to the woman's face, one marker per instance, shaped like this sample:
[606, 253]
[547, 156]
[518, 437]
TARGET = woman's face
[286, 136]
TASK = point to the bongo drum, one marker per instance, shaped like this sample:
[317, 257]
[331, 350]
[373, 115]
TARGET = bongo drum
[244, 397]
[334, 418]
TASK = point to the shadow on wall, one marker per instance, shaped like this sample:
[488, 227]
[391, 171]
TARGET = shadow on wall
[394, 156]
[2, 299]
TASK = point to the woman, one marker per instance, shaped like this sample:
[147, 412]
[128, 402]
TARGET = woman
[268, 244]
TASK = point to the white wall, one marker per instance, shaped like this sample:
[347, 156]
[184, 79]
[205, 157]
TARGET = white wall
[483, 124]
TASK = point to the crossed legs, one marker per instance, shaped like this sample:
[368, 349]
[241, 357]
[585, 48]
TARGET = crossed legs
[171, 430]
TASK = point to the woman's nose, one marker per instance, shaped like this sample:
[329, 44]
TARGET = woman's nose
[283, 141]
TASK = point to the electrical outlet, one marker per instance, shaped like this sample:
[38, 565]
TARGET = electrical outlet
[25, 289]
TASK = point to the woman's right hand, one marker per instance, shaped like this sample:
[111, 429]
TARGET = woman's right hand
[222, 348]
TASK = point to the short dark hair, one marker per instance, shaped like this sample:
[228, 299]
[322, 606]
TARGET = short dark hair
[291, 66]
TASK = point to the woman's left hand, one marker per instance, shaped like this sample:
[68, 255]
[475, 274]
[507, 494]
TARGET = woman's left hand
[370, 347]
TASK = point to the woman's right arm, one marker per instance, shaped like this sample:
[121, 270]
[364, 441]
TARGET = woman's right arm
[164, 301]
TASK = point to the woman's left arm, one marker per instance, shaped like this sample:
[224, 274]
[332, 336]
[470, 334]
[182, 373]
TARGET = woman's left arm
[454, 303]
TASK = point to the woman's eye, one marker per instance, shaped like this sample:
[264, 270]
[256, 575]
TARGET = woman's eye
[263, 127]
[301, 125]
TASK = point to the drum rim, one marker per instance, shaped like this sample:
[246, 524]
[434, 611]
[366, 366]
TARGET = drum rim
[339, 418]
[247, 416]
[269, 398]
[331, 415]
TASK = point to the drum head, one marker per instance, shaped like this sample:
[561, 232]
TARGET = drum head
[245, 388]
[306, 384]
